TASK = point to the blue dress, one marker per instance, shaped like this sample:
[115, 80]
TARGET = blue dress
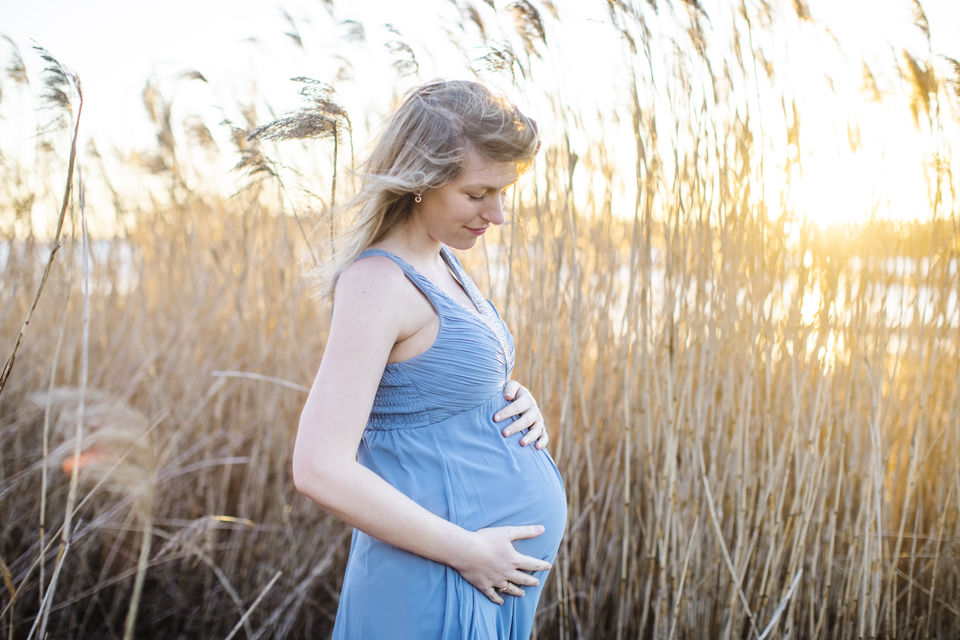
[431, 435]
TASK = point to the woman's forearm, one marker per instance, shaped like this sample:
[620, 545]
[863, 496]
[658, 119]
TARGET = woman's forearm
[486, 559]
[364, 500]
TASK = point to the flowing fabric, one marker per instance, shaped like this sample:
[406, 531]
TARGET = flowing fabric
[431, 435]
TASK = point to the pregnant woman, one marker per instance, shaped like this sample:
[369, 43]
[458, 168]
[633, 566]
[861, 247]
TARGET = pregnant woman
[413, 432]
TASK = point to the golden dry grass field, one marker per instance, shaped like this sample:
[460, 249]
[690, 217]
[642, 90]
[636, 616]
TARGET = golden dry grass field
[757, 418]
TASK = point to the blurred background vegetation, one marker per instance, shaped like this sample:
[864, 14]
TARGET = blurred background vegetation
[751, 379]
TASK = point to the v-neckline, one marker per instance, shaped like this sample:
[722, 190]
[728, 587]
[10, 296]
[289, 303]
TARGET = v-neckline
[476, 312]
[487, 317]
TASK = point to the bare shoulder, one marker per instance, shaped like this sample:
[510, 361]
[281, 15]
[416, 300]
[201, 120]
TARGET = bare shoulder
[375, 291]
[374, 295]
[377, 278]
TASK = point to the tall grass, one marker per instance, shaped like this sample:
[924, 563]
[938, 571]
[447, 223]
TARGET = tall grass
[757, 421]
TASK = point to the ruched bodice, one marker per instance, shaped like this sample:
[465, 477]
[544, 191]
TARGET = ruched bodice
[431, 435]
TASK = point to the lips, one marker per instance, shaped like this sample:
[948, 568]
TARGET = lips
[477, 232]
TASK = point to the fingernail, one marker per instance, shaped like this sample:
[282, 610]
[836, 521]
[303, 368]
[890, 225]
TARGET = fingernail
[506, 433]
[496, 418]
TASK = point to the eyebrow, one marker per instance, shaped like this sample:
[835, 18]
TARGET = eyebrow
[489, 187]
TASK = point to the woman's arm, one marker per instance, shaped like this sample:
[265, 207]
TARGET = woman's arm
[370, 316]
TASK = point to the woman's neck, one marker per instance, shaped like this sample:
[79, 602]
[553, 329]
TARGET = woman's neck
[416, 248]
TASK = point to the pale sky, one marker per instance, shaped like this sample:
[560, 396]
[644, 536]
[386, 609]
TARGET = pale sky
[240, 46]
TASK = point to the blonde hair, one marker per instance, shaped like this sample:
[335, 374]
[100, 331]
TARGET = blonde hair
[423, 146]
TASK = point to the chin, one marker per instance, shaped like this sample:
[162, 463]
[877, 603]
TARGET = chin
[463, 244]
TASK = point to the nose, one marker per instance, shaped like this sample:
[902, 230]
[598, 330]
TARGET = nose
[494, 213]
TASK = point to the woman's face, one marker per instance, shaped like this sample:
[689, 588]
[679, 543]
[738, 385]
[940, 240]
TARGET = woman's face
[459, 212]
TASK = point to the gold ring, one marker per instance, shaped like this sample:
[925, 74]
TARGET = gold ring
[506, 588]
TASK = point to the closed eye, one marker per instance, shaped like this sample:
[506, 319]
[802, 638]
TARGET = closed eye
[503, 194]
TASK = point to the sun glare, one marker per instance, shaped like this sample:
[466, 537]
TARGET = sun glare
[845, 178]
[856, 136]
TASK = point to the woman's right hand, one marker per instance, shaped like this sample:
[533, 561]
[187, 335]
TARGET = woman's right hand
[493, 563]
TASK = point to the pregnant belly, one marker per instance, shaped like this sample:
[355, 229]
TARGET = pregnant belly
[465, 471]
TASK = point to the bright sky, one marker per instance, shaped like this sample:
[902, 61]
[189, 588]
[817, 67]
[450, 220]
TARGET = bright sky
[240, 46]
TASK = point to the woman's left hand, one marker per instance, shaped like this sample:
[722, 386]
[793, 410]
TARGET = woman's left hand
[523, 405]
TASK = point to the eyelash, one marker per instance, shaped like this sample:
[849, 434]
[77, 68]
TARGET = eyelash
[480, 198]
